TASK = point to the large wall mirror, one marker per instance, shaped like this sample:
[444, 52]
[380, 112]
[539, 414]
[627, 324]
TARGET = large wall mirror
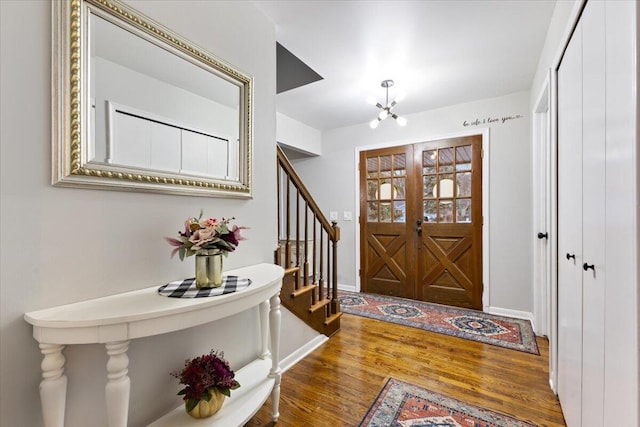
[138, 107]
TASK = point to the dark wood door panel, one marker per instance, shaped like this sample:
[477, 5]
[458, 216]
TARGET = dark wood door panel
[447, 273]
[387, 270]
[441, 260]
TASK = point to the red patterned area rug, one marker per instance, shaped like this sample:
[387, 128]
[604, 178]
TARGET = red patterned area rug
[401, 404]
[516, 334]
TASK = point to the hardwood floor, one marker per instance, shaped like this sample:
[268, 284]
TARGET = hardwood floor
[336, 384]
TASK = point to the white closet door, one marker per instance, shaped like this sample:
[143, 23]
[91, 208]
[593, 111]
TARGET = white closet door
[204, 155]
[570, 231]
[622, 394]
[130, 143]
[144, 143]
[593, 212]
[165, 147]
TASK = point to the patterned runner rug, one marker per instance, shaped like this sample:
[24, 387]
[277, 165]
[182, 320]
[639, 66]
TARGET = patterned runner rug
[401, 404]
[516, 334]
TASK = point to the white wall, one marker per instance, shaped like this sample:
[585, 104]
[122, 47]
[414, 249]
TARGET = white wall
[331, 179]
[60, 245]
[297, 135]
[557, 34]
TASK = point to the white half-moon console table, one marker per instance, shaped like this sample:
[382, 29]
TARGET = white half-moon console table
[117, 319]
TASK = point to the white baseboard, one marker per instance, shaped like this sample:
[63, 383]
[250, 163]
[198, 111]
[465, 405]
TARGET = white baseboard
[302, 352]
[349, 288]
[507, 312]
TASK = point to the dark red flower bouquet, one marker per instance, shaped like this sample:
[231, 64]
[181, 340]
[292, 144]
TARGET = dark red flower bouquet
[200, 374]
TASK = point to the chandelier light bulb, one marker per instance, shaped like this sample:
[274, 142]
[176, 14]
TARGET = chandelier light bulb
[386, 109]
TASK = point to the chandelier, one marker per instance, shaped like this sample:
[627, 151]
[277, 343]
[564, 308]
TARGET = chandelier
[386, 109]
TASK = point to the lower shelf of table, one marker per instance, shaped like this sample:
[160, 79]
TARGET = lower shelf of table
[255, 387]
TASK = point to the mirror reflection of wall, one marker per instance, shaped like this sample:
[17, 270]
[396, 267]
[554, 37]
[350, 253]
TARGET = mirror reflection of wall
[154, 110]
[137, 107]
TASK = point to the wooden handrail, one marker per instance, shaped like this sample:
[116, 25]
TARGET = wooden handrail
[313, 286]
[297, 182]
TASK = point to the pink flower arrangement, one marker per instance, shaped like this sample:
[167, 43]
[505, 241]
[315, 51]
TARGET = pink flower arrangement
[203, 373]
[209, 236]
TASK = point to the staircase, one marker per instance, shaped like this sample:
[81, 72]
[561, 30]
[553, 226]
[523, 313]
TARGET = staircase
[308, 252]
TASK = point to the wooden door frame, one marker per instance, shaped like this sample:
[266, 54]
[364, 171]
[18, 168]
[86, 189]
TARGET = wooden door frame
[484, 133]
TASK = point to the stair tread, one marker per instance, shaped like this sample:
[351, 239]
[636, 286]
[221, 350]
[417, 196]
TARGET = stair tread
[320, 304]
[333, 318]
[291, 270]
[302, 290]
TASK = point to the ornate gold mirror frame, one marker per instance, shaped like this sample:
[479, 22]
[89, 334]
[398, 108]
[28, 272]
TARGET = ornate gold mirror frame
[73, 143]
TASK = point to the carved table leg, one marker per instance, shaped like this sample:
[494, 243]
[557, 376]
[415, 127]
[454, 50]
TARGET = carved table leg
[53, 387]
[264, 329]
[118, 384]
[274, 325]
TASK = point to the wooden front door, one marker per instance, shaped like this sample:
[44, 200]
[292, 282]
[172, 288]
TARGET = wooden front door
[450, 236]
[421, 221]
[387, 245]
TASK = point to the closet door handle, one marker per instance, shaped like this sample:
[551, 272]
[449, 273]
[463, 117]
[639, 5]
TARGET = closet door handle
[543, 235]
[586, 267]
[569, 256]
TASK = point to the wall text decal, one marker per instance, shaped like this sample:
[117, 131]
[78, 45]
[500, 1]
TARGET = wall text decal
[491, 120]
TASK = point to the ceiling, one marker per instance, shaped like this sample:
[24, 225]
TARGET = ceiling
[439, 53]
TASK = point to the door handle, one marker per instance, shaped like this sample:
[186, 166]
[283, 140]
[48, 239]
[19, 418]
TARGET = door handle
[571, 256]
[419, 226]
[586, 267]
[543, 235]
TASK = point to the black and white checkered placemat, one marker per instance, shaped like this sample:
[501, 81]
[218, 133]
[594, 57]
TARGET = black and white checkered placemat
[187, 288]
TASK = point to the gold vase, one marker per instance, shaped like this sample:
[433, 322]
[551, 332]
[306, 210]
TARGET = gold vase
[206, 409]
[208, 271]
